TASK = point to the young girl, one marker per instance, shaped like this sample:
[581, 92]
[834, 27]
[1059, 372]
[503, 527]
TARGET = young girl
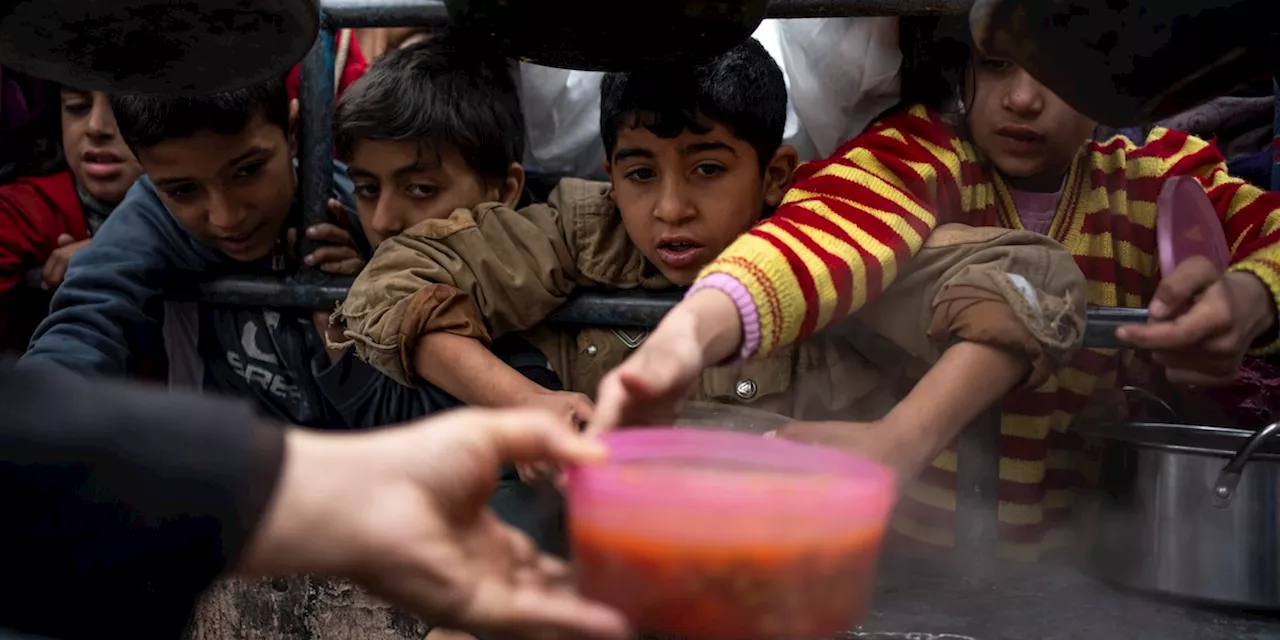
[1013, 155]
[56, 203]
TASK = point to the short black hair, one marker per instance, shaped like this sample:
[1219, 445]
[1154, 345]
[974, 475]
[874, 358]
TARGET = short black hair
[451, 90]
[742, 90]
[148, 120]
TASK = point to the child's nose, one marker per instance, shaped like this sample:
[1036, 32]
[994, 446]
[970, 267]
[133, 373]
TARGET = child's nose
[1026, 95]
[225, 215]
[387, 220]
[673, 204]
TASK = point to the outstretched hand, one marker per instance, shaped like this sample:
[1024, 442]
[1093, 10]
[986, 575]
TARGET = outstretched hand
[651, 386]
[403, 511]
[1203, 322]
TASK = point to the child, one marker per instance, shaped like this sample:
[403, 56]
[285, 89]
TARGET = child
[695, 159]
[430, 128]
[49, 214]
[1016, 157]
[219, 199]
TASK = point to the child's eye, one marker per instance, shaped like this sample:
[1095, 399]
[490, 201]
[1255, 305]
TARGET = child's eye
[640, 174]
[422, 190]
[996, 64]
[249, 170]
[181, 191]
[77, 108]
[709, 169]
[366, 191]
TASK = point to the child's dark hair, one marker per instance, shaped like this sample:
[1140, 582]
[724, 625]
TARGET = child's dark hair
[448, 91]
[937, 54]
[742, 90]
[36, 148]
[148, 120]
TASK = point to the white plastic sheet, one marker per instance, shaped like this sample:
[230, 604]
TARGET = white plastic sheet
[841, 73]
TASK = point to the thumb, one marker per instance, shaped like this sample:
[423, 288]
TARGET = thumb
[1179, 288]
[65, 239]
[534, 435]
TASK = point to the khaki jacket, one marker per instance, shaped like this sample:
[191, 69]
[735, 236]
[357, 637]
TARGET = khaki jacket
[493, 270]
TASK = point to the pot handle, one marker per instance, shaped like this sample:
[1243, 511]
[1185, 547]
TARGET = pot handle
[1229, 478]
[1151, 398]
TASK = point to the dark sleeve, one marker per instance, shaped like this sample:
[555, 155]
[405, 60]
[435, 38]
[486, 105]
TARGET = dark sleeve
[109, 307]
[365, 398]
[122, 503]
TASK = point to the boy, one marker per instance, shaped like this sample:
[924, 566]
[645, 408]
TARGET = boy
[695, 159]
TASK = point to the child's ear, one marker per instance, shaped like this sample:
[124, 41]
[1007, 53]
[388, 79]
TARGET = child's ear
[513, 186]
[778, 175]
[608, 171]
[293, 126]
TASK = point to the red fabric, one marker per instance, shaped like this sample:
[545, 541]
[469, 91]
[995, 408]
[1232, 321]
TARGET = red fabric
[355, 67]
[34, 211]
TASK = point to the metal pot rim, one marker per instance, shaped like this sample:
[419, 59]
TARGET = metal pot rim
[1184, 438]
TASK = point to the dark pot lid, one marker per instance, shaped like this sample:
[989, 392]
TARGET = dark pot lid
[1189, 438]
[1125, 63]
[152, 46]
[607, 36]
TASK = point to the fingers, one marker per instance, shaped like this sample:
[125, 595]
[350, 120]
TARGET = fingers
[1178, 289]
[54, 271]
[610, 401]
[1209, 317]
[539, 612]
[334, 259]
[531, 435]
[65, 239]
[329, 232]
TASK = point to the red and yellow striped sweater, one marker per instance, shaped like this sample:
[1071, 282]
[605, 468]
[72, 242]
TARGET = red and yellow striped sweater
[850, 222]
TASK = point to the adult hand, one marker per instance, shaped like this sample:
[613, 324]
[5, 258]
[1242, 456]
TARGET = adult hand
[403, 512]
[1206, 344]
[55, 268]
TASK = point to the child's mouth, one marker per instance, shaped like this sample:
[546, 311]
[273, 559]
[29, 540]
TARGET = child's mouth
[1020, 136]
[680, 254]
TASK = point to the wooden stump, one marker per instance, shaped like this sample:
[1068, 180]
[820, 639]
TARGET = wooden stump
[298, 608]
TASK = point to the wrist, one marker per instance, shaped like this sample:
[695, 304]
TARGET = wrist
[296, 534]
[1260, 305]
[710, 319]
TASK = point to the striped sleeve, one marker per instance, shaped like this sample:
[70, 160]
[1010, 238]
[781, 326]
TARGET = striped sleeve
[846, 226]
[1250, 216]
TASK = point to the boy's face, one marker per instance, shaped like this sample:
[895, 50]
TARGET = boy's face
[683, 200]
[399, 184]
[1027, 131]
[96, 154]
[231, 191]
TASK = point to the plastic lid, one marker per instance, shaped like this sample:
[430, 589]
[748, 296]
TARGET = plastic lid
[717, 482]
[1187, 225]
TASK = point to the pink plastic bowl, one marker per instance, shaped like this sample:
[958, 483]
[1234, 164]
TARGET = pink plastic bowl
[726, 536]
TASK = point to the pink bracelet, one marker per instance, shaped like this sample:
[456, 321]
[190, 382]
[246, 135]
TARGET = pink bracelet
[747, 312]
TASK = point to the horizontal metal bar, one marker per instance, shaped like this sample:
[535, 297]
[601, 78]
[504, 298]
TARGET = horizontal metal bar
[412, 13]
[360, 14]
[618, 309]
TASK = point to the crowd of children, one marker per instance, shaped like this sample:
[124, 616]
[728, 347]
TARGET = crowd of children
[939, 262]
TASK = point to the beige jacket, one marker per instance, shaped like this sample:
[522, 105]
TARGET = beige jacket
[493, 270]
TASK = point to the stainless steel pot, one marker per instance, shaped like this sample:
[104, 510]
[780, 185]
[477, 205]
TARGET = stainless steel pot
[1189, 511]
